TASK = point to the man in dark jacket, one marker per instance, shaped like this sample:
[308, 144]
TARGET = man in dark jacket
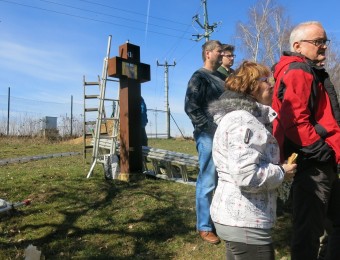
[307, 125]
[204, 86]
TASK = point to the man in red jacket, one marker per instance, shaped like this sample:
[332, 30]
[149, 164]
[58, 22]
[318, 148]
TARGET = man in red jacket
[307, 124]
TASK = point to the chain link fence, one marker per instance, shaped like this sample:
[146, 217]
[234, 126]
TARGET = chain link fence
[27, 117]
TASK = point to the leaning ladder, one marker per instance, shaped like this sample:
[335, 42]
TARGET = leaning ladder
[97, 155]
[88, 124]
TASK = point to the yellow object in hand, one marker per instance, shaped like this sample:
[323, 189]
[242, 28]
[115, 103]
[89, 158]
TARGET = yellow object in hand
[292, 158]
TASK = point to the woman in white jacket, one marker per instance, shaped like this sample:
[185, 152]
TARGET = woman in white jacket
[247, 158]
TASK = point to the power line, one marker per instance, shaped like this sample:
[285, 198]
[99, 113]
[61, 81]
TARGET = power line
[129, 11]
[171, 50]
[89, 19]
[100, 13]
[35, 100]
[176, 44]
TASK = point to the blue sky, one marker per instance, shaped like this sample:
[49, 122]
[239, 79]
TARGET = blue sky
[47, 46]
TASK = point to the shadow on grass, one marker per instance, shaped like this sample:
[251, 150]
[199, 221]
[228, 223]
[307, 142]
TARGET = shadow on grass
[282, 231]
[148, 219]
[74, 217]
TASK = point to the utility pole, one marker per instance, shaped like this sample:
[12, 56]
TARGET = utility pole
[166, 66]
[208, 29]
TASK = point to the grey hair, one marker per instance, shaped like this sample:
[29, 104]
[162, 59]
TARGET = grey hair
[210, 46]
[299, 32]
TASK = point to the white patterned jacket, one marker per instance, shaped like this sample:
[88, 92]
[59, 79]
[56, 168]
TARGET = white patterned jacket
[247, 157]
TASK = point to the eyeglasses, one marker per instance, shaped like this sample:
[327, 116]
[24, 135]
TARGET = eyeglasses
[270, 80]
[230, 56]
[318, 42]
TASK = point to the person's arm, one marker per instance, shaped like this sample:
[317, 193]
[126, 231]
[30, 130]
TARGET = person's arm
[241, 154]
[195, 101]
[333, 97]
[296, 117]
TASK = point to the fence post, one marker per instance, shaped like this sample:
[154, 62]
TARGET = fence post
[8, 107]
[71, 115]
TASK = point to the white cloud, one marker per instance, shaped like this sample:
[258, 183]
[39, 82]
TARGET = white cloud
[46, 64]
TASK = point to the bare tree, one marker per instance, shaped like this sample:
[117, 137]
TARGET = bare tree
[281, 28]
[332, 63]
[264, 36]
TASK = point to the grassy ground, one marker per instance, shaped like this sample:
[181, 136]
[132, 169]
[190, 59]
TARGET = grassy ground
[72, 217]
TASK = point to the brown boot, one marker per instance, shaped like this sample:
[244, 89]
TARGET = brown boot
[209, 237]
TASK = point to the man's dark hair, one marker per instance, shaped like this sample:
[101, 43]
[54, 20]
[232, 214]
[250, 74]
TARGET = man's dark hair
[210, 46]
[228, 47]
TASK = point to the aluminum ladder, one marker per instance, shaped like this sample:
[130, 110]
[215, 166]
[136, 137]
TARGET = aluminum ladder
[109, 161]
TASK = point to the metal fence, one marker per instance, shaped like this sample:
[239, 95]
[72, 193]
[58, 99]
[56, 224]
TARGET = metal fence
[27, 117]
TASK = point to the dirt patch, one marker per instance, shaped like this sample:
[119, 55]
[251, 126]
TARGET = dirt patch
[104, 129]
[78, 140]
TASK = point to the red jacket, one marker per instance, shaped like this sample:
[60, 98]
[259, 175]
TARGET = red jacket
[305, 122]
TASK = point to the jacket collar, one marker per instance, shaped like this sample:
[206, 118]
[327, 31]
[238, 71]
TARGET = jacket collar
[232, 101]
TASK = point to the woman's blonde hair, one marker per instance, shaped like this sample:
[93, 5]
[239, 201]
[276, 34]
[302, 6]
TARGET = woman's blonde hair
[246, 77]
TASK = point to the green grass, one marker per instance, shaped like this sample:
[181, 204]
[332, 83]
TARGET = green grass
[72, 217]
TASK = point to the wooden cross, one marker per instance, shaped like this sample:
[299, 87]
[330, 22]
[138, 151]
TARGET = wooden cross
[131, 73]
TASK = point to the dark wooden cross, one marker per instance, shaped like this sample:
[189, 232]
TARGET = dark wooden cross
[131, 73]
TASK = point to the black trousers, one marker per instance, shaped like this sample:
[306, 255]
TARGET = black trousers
[144, 137]
[315, 194]
[333, 245]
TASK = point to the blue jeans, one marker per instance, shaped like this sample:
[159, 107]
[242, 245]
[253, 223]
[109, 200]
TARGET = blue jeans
[206, 181]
